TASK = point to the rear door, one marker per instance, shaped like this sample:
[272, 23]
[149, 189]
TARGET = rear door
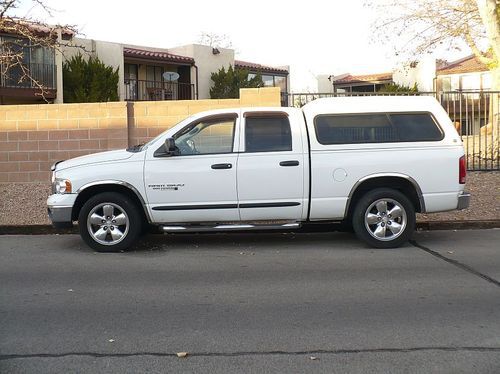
[271, 167]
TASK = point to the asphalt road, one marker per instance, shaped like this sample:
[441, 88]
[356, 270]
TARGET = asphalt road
[252, 303]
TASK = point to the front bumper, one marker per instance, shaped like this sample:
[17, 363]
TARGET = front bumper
[60, 208]
[463, 200]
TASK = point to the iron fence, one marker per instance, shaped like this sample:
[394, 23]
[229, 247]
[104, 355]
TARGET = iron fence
[475, 115]
[41, 75]
[143, 90]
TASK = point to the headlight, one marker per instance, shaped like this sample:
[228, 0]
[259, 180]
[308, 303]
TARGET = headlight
[61, 186]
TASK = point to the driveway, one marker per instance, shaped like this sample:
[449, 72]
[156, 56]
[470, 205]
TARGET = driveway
[257, 303]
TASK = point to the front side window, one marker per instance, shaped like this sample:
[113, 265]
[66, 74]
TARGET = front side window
[376, 128]
[268, 134]
[206, 137]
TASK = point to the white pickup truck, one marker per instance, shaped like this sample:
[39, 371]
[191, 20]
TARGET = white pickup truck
[370, 161]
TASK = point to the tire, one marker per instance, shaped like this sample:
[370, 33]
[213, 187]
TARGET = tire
[101, 232]
[374, 224]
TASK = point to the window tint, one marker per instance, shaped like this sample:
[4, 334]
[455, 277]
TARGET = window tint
[376, 128]
[206, 137]
[417, 127]
[267, 134]
[341, 129]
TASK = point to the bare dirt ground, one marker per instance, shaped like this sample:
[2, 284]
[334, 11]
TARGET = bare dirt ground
[24, 203]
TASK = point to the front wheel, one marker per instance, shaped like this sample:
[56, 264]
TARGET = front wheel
[384, 218]
[109, 222]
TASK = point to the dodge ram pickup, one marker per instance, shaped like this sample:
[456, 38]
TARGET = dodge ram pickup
[372, 162]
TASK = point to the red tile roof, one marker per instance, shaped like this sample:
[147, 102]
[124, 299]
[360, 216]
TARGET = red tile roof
[258, 67]
[469, 64]
[368, 78]
[155, 55]
[13, 28]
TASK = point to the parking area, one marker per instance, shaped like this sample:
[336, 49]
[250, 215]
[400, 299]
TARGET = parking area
[261, 302]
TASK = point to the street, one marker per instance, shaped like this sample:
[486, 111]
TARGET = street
[256, 303]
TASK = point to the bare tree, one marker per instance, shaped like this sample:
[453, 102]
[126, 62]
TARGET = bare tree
[24, 36]
[418, 27]
[215, 40]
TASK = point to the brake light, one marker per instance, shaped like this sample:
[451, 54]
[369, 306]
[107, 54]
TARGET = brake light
[462, 170]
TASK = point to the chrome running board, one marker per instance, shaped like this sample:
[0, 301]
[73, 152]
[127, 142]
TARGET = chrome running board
[242, 227]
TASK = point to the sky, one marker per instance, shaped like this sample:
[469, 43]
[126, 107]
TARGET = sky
[313, 37]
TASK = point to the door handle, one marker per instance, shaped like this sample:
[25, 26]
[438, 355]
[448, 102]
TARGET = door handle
[289, 163]
[222, 166]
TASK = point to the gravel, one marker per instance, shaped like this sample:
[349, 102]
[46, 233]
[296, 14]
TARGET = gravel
[24, 203]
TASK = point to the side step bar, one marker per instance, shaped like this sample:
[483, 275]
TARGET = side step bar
[242, 227]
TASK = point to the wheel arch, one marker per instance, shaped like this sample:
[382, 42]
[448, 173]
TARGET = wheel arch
[93, 188]
[401, 182]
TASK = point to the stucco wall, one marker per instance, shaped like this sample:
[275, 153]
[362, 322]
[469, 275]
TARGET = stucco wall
[207, 63]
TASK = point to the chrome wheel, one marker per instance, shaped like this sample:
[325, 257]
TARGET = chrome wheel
[108, 223]
[385, 219]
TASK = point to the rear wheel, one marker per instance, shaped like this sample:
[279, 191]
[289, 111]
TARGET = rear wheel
[384, 218]
[109, 222]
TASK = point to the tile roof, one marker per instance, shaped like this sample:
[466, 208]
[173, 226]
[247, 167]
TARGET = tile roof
[368, 78]
[467, 64]
[11, 27]
[258, 67]
[155, 55]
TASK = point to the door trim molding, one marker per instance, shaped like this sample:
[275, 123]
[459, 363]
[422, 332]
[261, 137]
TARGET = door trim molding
[228, 206]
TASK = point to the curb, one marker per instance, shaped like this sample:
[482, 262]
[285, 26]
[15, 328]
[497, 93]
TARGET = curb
[421, 226]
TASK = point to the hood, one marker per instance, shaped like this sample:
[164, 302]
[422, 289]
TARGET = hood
[95, 158]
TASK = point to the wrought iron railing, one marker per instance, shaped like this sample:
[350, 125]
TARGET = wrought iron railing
[474, 113]
[31, 75]
[143, 90]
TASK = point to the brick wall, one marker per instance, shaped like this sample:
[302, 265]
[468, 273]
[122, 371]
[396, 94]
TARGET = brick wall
[33, 137]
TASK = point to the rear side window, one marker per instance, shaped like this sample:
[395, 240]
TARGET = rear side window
[268, 134]
[376, 128]
[417, 127]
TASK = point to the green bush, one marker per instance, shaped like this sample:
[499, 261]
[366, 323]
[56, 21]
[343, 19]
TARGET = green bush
[227, 84]
[89, 81]
[394, 87]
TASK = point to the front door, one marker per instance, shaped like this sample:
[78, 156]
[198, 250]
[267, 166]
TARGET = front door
[198, 184]
[271, 168]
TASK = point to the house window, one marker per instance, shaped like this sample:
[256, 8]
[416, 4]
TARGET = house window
[471, 82]
[131, 84]
[38, 60]
[268, 80]
[153, 73]
[280, 81]
[446, 84]
[486, 81]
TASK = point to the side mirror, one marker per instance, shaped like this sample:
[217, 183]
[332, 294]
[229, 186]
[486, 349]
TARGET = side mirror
[169, 149]
[170, 145]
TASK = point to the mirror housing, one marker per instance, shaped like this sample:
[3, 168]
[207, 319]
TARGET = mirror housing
[170, 145]
[168, 149]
